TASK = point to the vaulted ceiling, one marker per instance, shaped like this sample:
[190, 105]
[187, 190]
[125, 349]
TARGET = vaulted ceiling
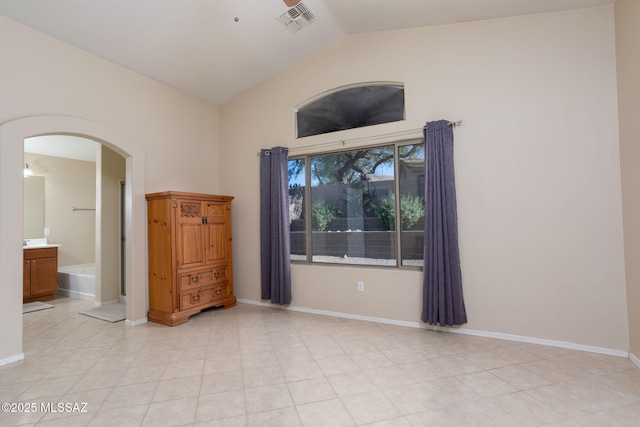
[217, 49]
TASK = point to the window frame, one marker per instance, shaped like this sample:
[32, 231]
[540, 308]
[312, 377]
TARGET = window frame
[396, 185]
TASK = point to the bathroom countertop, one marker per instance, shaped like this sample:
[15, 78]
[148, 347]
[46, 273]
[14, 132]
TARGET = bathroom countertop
[43, 245]
[39, 243]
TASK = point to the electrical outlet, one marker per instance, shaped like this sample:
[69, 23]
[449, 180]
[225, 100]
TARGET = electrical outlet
[47, 231]
[360, 286]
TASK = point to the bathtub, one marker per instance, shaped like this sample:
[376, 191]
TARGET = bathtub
[78, 281]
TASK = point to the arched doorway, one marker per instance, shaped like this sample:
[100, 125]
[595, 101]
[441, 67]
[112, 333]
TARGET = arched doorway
[12, 135]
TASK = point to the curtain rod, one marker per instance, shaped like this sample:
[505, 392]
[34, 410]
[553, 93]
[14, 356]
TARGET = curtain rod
[83, 209]
[344, 141]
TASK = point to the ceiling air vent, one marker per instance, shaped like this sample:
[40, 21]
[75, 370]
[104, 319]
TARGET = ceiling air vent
[297, 17]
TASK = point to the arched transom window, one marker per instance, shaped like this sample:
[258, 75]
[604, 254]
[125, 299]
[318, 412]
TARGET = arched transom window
[352, 107]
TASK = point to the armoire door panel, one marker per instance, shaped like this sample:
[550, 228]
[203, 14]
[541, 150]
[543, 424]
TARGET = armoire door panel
[216, 243]
[190, 211]
[215, 212]
[190, 238]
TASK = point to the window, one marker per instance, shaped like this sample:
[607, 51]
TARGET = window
[411, 188]
[343, 206]
[349, 108]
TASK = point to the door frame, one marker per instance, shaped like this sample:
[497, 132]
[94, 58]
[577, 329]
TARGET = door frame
[12, 136]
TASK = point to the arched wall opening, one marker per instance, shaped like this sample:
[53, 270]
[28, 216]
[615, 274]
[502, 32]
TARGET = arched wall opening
[12, 136]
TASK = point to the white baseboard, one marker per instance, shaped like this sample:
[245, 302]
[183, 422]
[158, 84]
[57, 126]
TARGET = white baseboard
[634, 359]
[76, 295]
[11, 359]
[485, 334]
[100, 304]
[530, 340]
[332, 313]
[135, 322]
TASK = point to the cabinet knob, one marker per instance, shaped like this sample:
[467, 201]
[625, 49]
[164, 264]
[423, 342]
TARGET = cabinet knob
[218, 291]
[196, 297]
[194, 279]
[216, 274]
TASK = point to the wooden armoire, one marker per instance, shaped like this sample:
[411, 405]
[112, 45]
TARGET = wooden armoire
[190, 262]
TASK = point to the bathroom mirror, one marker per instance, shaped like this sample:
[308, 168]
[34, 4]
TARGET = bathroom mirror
[33, 207]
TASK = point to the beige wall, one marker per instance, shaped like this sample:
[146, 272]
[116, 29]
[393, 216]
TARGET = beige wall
[68, 183]
[171, 137]
[178, 132]
[627, 18]
[537, 168]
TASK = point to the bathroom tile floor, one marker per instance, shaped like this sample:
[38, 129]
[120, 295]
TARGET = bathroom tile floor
[257, 366]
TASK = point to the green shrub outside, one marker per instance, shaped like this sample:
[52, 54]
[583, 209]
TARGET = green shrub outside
[322, 213]
[412, 208]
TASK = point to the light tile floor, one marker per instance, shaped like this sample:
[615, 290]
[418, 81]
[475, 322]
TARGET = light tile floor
[256, 366]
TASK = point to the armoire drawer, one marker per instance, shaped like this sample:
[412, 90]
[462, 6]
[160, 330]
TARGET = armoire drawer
[197, 279]
[221, 291]
[196, 298]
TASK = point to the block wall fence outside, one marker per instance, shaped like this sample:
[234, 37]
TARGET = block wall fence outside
[367, 244]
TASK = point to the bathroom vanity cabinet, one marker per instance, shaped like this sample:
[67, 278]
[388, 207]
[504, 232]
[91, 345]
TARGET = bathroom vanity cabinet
[190, 260]
[40, 274]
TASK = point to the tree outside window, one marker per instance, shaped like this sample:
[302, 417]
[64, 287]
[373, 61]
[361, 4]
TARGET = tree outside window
[353, 206]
